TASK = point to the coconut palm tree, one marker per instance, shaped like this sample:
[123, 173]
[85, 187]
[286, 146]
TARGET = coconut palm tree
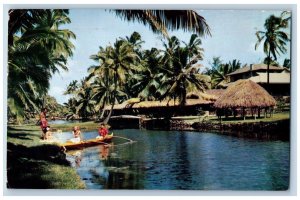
[115, 63]
[38, 51]
[274, 38]
[85, 103]
[71, 108]
[72, 87]
[161, 20]
[145, 83]
[181, 71]
[220, 70]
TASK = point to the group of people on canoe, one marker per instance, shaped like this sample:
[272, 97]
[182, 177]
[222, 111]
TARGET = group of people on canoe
[47, 134]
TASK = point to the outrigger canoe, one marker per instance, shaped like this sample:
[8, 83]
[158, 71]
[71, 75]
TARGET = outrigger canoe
[86, 143]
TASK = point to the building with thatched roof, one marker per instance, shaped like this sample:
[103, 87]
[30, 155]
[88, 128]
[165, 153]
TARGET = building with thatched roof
[200, 101]
[245, 94]
[279, 82]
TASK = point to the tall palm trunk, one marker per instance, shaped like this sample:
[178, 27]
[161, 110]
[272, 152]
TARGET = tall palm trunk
[114, 99]
[268, 69]
[102, 113]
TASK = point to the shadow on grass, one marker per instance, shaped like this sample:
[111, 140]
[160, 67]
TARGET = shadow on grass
[22, 136]
[26, 164]
[22, 128]
[47, 152]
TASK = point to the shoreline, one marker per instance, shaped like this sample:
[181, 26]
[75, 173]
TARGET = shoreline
[273, 130]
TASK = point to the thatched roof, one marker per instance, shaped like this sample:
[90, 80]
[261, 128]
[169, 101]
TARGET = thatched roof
[245, 93]
[208, 95]
[215, 92]
[152, 104]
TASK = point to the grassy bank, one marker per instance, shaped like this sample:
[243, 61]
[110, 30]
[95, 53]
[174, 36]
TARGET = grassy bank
[36, 165]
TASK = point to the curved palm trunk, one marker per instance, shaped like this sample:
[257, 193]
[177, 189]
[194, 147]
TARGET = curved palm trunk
[102, 114]
[114, 99]
[109, 115]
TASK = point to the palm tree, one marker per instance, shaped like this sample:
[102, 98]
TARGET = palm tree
[72, 87]
[145, 83]
[181, 72]
[115, 63]
[161, 20]
[274, 38]
[85, 103]
[287, 63]
[219, 71]
[71, 108]
[102, 93]
[38, 51]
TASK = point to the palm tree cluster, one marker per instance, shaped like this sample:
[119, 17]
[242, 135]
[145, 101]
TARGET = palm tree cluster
[219, 71]
[124, 70]
[37, 49]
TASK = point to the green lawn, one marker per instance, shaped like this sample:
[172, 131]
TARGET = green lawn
[32, 164]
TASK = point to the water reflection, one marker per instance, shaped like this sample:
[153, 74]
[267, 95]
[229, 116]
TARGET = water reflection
[184, 160]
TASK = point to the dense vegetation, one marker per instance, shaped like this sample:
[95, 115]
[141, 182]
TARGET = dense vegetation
[125, 70]
[38, 49]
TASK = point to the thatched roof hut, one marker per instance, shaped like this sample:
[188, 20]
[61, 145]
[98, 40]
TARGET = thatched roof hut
[245, 94]
[153, 104]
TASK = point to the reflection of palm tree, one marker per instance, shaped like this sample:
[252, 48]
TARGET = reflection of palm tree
[78, 158]
[274, 38]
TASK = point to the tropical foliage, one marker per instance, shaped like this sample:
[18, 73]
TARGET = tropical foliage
[162, 20]
[124, 71]
[274, 37]
[38, 48]
[219, 70]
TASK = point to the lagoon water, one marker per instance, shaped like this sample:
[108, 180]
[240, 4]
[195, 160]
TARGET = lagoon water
[182, 160]
[61, 121]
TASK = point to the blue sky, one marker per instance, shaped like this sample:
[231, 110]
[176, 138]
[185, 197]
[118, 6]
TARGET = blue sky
[233, 37]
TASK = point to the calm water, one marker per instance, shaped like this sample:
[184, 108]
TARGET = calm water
[182, 160]
[60, 121]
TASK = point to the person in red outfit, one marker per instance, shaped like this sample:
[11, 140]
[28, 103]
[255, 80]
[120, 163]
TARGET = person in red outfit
[102, 131]
[43, 122]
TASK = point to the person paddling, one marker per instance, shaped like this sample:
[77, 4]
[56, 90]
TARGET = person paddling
[102, 131]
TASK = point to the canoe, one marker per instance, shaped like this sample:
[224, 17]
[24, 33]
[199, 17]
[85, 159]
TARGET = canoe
[86, 143]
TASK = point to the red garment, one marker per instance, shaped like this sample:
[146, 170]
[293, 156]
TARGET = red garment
[44, 123]
[103, 132]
